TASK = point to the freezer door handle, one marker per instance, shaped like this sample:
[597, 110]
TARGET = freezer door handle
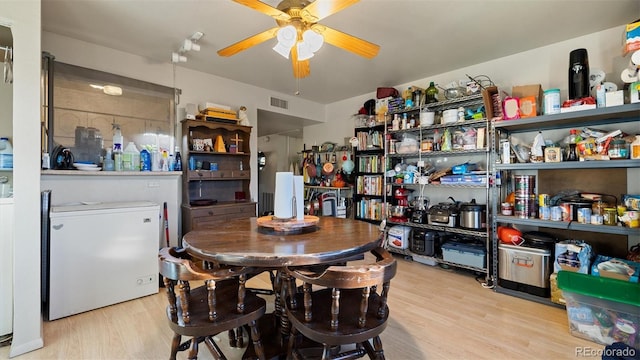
[57, 226]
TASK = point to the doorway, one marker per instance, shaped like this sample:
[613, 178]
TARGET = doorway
[280, 139]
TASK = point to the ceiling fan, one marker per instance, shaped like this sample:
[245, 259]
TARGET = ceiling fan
[302, 16]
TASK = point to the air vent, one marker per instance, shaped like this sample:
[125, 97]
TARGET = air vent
[283, 104]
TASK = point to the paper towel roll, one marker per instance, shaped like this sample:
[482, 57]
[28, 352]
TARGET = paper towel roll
[298, 186]
[283, 197]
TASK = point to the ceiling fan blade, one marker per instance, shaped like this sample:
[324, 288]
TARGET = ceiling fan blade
[265, 9]
[347, 42]
[249, 42]
[320, 9]
[301, 69]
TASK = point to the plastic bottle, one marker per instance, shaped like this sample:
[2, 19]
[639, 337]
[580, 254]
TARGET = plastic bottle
[131, 158]
[145, 160]
[108, 164]
[6, 154]
[395, 124]
[436, 140]
[117, 148]
[635, 148]
[431, 93]
[178, 161]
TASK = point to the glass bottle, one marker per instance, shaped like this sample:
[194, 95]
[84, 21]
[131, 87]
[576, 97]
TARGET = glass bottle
[178, 160]
[431, 93]
[436, 140]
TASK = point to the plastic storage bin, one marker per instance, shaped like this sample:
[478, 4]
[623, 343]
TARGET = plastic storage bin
[464, 254]
[601, 309]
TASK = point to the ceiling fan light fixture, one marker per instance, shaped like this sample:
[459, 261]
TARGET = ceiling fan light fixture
[282, 50]
[304, 51]
[177, 58]
[313, 40]
[287, 37]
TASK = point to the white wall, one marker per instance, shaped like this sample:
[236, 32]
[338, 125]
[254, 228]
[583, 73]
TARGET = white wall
[546, 65]
[23, 17]
[196, 87]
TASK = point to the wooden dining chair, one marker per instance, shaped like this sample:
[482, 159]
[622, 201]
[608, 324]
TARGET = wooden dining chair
[350, 307]
[221, 304]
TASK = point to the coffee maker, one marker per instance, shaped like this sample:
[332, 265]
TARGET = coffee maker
[578, 74]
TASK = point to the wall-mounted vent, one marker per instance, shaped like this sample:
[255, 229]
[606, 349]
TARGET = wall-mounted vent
[279, 103]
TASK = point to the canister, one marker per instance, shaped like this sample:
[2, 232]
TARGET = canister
[556, 213]
[551, 101]
[525, 206]
[584, 215]
[525, 185]
[596, 219]
[609, 216]
[544, 200]
[506, 209]
[544, 212]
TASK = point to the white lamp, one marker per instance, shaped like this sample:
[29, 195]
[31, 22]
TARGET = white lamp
[311, 42]
[189, 45]
[286, 39]
[304, 51]
[313, 39]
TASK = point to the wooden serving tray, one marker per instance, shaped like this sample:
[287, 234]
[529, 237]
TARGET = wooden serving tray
[270, 224]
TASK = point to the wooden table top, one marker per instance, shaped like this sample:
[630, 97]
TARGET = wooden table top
[242, 242]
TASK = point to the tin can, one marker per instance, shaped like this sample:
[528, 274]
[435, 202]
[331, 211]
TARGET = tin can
[525, 207]
[506, 209]
[584, 215]
[556, 213]
[596, 219]
[544, 200]
[525, 185]
[609, 217]
[544, 212]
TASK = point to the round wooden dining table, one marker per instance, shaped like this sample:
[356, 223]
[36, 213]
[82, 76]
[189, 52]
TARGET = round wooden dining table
[242, 242]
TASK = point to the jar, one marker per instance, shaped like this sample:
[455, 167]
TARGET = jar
[551, 101]
[618, 149]
[506, 209]
[635, 148]
[609, 216]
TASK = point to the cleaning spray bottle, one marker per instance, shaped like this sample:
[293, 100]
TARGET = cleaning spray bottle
[117, 148]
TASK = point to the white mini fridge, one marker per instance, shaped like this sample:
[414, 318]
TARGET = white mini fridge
[100, 254]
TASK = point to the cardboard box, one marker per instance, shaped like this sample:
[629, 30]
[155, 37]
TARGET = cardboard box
[535, 90]
[614, 98]
[631, 38]
[487, 98]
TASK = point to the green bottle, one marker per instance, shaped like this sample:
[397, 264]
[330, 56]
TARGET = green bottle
[431, 93]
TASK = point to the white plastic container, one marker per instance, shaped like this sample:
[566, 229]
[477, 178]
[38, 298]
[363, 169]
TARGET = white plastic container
[131, 158]
[6, 154]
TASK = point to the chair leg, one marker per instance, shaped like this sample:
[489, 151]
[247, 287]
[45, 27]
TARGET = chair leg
[375, 352]
[255, 337]
[214, 349]
[240, 337]
[293, 336]
[232, 338]
[175, 343]
[193, 350]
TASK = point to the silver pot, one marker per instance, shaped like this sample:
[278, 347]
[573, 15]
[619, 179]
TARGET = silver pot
[473, 216]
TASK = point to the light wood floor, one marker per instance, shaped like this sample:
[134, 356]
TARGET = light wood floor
[435, 314]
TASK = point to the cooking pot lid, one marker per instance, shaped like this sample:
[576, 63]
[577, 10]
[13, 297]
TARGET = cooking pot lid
[472, 206]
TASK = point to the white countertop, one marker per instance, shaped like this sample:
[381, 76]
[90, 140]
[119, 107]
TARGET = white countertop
[110, 173]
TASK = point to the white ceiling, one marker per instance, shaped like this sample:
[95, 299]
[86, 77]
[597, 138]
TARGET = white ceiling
[417, 38]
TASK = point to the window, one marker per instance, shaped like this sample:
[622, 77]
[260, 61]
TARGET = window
[89, 104]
